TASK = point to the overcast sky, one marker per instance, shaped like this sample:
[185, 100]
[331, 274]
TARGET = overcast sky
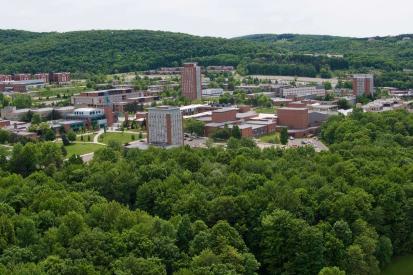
[225, 18]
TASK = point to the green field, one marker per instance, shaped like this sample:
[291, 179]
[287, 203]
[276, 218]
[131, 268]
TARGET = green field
[119, 137]
[85, 137]
[54, 91]
[271, 138]
[82, 148]
[263, 110]
[400, 266]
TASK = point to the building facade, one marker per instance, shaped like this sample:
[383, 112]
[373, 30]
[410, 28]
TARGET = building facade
[60, 78]
[302, 92]
[191, 81]
[165, 126]
[100, 99]
[42, 76]
[363, 84]
[21, 77]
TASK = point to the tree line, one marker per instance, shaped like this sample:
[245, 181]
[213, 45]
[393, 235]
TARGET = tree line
[239, 210]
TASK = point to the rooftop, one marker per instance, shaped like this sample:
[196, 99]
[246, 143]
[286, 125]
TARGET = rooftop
[86, 109]
[226, 109]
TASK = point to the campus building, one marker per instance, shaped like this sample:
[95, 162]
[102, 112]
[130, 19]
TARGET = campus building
[60, 78]
[302, 92]
[42, 76]
[20, 77]
[191, 81]
[299, 120]
[363, 84]
[165, 126]
[91, 117]
[249, 122]
[6, 77]
[23, 86]
[100, 99]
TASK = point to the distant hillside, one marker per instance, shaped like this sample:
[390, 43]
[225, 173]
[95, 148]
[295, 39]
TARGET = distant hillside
[109, 51]
[389, 53]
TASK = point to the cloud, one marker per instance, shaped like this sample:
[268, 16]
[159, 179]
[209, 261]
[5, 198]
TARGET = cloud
[227, 18]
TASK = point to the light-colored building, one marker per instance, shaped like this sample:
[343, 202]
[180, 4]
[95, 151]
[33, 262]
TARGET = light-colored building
[165, 126]
[383, 105]
[191, 84]
[100, 99]
[215, 92]
[302, 92]
[363, 84]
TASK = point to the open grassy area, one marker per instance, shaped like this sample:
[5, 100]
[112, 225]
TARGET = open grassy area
[119, 137]
[400, 266]
[82, 148]
[55, 91]
[263, 110]
[271, 138]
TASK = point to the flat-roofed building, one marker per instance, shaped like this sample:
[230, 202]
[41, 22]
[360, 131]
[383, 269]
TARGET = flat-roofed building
[100, 99]
[294, 118]
[26, 85]
[224, 114]
[21, 77]
[165, 126]
[302, 92]
[42, 76]
[60, 78]
[214, 92]
[6, 77]
[363, 84]
[191, 85]
[91, 117]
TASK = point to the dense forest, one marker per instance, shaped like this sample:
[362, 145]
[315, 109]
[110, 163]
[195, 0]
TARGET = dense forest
[239, 210]
[108, 51]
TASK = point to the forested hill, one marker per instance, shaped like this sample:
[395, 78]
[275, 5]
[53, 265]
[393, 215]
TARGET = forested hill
[393, 52]
[109, 51]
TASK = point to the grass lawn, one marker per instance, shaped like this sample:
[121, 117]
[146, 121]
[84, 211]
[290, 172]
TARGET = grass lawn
[119, 137]
[271, 138]
[400, 266]
[85, 137]
[54, 91]
[263, 110]
[82, 148]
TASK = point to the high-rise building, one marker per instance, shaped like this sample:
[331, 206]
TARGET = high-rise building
[191, 81]
[165, 126]
[363, 84]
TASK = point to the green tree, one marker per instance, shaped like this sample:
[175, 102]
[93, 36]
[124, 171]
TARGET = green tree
[194, 126]
[331, 271]
[284, 136]
[71, 135]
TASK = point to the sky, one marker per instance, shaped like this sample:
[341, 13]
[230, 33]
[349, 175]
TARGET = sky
[222, 18]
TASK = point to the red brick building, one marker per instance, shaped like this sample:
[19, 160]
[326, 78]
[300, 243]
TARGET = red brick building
[191, 81]
[293, 118]
[4, 123]
[60, 78]
[42, 76]
[5, 77]
[20, 77]
[224, 115]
